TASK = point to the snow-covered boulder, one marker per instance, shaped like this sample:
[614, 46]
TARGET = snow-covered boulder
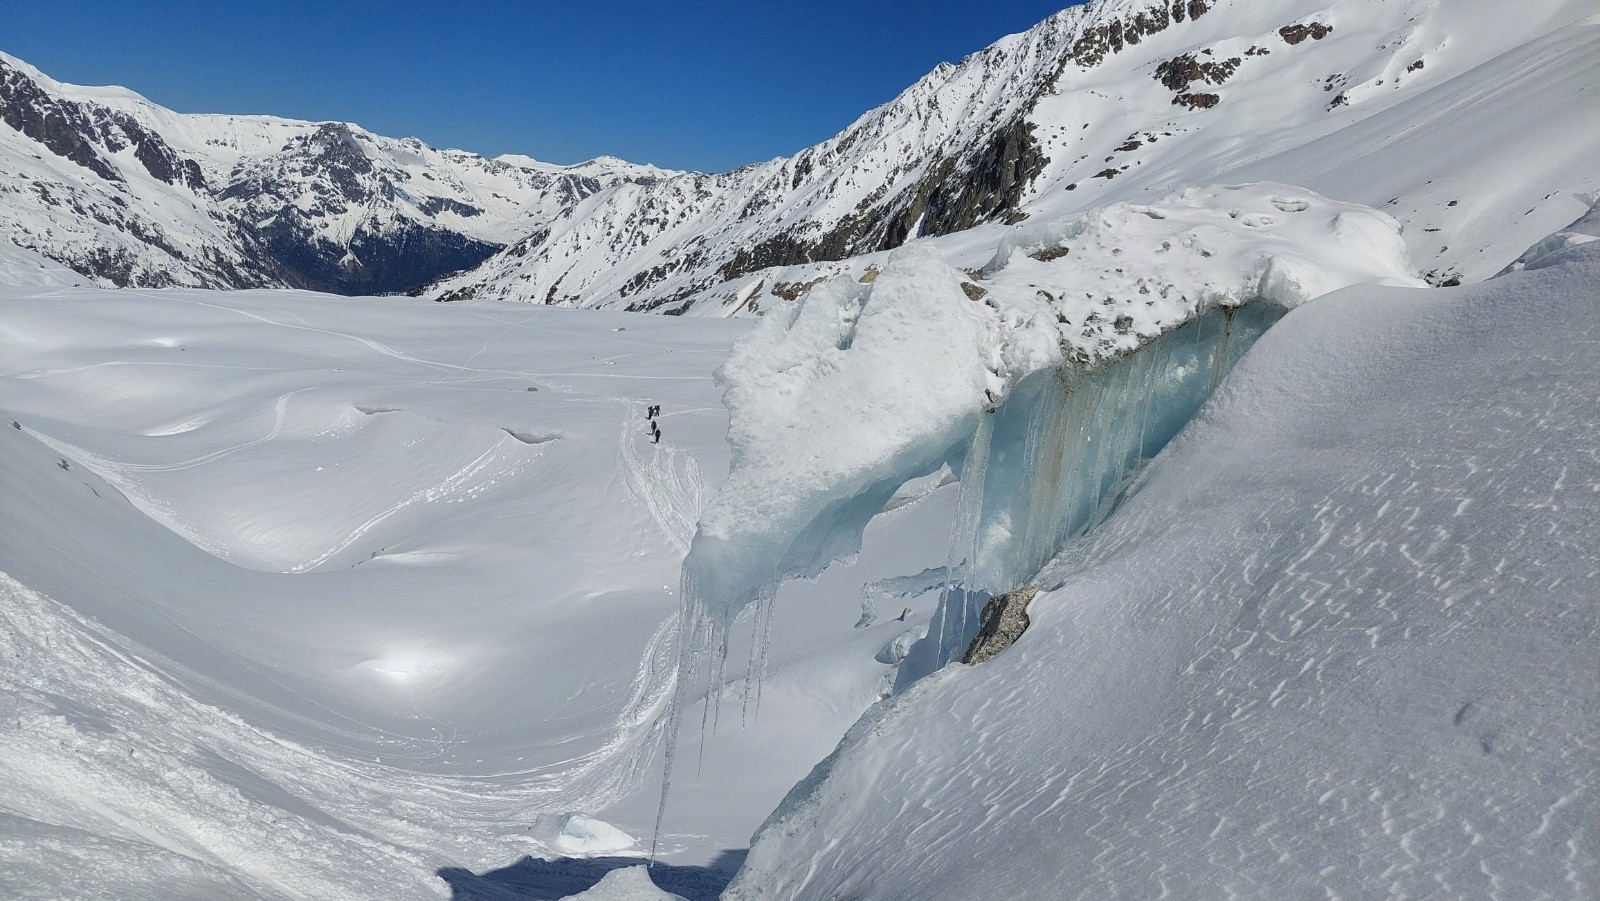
[581, 835]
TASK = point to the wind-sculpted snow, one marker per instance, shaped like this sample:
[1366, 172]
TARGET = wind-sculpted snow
[309, 599]
[312, 597]
[1583, 230]
[1340, 641]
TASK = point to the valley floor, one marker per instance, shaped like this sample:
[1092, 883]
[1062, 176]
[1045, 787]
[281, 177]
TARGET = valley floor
[314, 597]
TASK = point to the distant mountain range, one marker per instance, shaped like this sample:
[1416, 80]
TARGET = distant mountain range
[1464, 121]
[133, 194]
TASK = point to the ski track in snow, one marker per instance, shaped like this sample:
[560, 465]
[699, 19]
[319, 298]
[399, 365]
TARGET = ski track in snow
[455, 484]
[668, 484]
[354, 776]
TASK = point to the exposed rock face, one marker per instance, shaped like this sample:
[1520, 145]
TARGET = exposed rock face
[1003, 621]
[1178, 73]
[82, 132]
[1053, 121]
[327, 175]
[1099, 102]
[1197, 101]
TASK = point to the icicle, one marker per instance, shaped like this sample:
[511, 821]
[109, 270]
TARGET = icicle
[1220, 364]
[760, 640]
[1040, 472]
[951, 618]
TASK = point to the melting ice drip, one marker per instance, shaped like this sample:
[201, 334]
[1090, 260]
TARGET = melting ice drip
[1052, 461]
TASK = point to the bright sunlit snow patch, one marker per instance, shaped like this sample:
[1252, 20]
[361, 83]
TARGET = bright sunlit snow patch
[408, 666]
[625, 884]
[580, 834]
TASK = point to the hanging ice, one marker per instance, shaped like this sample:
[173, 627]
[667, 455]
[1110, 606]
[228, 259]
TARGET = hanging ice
[1049, 462]
[1043, 379]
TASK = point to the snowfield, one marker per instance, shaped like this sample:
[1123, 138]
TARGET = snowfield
[316, 598]
[309, 597]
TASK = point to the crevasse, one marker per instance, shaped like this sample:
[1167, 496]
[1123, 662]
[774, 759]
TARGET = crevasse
[1053, 459]
[1044, 379]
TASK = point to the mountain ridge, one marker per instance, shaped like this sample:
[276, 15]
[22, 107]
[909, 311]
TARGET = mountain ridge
[1061, 119]
[1352, 99]
[134, 194]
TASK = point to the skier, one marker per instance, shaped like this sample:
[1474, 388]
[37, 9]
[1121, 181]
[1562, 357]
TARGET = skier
[657, 432]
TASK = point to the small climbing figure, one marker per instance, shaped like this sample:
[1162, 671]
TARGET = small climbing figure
[903, 614]
[657, 432]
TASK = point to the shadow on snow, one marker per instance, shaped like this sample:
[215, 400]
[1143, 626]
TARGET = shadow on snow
[533, 879]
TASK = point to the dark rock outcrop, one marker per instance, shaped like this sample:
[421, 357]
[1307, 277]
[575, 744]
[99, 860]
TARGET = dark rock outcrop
[1294, 34]
[1002, 622]
[333, 209]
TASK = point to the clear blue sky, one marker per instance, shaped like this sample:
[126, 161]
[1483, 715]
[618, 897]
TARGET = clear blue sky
[708, 85]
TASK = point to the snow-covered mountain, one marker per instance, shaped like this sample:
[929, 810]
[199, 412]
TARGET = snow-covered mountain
[1359, 100]
[1468, 121]
[133, 194]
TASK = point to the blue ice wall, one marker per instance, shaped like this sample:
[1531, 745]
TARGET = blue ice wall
[1052, 460]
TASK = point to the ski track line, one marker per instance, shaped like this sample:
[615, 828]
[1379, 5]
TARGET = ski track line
[445, 488]
[669, 486]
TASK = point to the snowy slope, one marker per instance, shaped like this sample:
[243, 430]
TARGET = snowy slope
[1339, 641]
[307, 599]
[1471, 122]
[131, 193]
